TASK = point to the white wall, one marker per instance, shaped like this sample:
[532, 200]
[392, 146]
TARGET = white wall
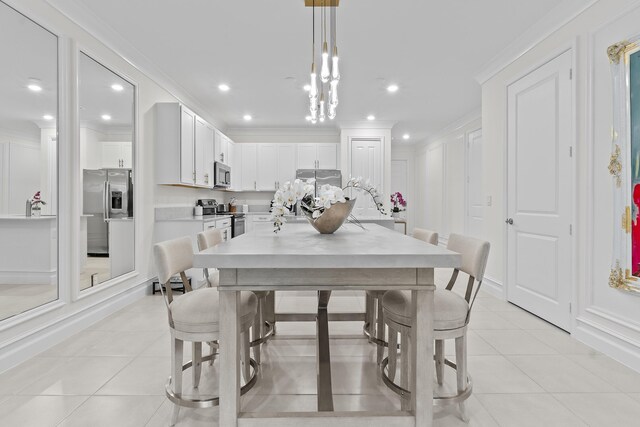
[440, 178]
[603, 317]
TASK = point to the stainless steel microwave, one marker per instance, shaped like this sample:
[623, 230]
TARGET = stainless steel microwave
[222, 175]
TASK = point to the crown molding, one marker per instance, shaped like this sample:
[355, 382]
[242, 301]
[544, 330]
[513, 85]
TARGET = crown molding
[283, 131]
[367, 124]
[452, 127]
[82, 16]
[559, 16]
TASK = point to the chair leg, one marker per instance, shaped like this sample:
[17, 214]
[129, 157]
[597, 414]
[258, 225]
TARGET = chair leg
[393, 353]
[212, 350]
[196, 363]
[245, 347]
[439, 361]
[461, 371]
[404, 369]
[176, 379]
[379, 330]
[368, 313]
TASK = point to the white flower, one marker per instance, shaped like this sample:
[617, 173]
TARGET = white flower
[289, 197]
[316, 214]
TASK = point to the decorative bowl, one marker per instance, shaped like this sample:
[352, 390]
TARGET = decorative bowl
[332, 218]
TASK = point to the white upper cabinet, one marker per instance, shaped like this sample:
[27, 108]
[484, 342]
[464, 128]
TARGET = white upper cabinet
[267, 167]
[223, 148]
[204, 143]
[187, 146]
[317, 156]
[249, 158]
[236, 167]
[184, 147]
[116, 155]
[286, 163]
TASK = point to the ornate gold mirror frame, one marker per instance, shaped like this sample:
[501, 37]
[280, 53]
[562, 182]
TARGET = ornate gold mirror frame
[624, 165]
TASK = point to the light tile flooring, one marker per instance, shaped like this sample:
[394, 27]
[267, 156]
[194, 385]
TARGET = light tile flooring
[525, 372]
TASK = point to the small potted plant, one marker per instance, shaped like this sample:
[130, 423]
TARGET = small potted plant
[399, 204]
[36, 204]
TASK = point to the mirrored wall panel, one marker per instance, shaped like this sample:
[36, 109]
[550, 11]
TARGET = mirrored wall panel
[28, 164]
[107, 130]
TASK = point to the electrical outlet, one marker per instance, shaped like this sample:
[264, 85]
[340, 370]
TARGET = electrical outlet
[489, 201]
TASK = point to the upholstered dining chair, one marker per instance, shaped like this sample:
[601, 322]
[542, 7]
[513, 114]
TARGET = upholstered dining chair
[194, 317]
[451, 319]
[261, 331]
[374, 326]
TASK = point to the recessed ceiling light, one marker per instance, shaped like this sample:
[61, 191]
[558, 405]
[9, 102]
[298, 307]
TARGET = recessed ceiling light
[306, 88]
[47, 117]
[308, 118]
[117, 87]
[223, 87]
[34, 87]
[371, 117]
[392, 88]
[106, 117]
[247, 117]
[406, 136]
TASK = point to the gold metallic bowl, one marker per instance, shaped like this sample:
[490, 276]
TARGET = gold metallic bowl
[332, 218]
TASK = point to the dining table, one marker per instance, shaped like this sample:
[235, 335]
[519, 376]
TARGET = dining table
[355, 257]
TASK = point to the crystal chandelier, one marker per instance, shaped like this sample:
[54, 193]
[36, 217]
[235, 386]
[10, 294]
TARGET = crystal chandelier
[323, 98]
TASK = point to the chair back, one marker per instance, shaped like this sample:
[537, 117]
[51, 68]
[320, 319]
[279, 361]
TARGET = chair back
[173, 257]
[209, 238]
[206, 240]
[426, 235]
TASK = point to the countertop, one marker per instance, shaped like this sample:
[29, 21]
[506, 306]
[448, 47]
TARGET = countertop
[195, 218]
[298, 245]
[24, 217]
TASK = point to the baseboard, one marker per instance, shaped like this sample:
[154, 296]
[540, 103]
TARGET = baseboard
[608, 342]
[493, 287]
[39, 340]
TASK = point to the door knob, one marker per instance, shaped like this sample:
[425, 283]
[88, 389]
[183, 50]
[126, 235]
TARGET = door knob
[509, 221]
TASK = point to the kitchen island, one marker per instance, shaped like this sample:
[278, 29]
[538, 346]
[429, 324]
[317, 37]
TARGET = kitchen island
[299, 258]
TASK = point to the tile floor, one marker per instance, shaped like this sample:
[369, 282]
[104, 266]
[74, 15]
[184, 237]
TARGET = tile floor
[525, 372]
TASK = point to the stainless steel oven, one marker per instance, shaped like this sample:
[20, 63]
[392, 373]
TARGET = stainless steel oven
[222, 175]
[238, 225]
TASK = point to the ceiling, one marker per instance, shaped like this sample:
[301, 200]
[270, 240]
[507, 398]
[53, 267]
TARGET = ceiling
[432, 50]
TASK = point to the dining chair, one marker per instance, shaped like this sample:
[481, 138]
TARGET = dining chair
[374, 327]
[451, 319]
[261, 330]
[194, 317]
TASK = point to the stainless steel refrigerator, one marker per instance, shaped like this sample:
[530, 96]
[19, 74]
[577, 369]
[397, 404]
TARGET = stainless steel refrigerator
[108, 194]
[322, 177]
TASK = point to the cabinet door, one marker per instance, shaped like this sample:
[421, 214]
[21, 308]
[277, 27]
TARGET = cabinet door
[204, 153]
[306, 156]
[224, 156]
[218, 145]
[327, 156]
[236, 166]
[111, 155]
[127, 154]
[249, 157]
[187, 129]
[267, 167]
[286, 163]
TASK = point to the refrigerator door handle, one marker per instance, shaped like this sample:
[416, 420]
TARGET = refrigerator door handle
[105, 202]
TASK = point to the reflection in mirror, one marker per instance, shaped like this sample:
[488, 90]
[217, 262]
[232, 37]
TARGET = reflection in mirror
[107, 103]
[28, 164]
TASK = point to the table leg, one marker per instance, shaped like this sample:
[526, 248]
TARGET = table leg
[229, 388]
[270, 310]
[325, 393]
[422, 346]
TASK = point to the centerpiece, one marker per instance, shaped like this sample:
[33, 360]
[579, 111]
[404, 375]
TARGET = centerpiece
[36, 204]
[398, 204]
[327, 211]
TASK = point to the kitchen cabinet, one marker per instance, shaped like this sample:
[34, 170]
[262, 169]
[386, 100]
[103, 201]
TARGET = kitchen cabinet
[236, 167]
[249, 158]
[274, 164]
[286, 163]
[317, 156]
[116, 155]
[223, 148]
[267, 167]
[184, 147]
[204, 153]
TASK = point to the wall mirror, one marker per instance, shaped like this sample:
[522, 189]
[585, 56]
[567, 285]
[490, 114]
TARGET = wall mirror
[28, 164]
[107, 138]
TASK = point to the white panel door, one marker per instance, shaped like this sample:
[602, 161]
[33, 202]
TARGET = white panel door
[539, 191]
[366, 162]
[187, 129]
[267, 167]
[327, 155]
[307, 156]
[475, 193]
[286, 163]
[249, 156]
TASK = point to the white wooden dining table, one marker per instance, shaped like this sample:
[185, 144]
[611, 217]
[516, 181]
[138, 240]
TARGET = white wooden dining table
[299, 258]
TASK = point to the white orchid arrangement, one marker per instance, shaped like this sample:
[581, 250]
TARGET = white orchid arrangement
[302, 192]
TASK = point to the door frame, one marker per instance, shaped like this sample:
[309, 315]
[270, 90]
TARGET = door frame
[467, 135]
[573, 201]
